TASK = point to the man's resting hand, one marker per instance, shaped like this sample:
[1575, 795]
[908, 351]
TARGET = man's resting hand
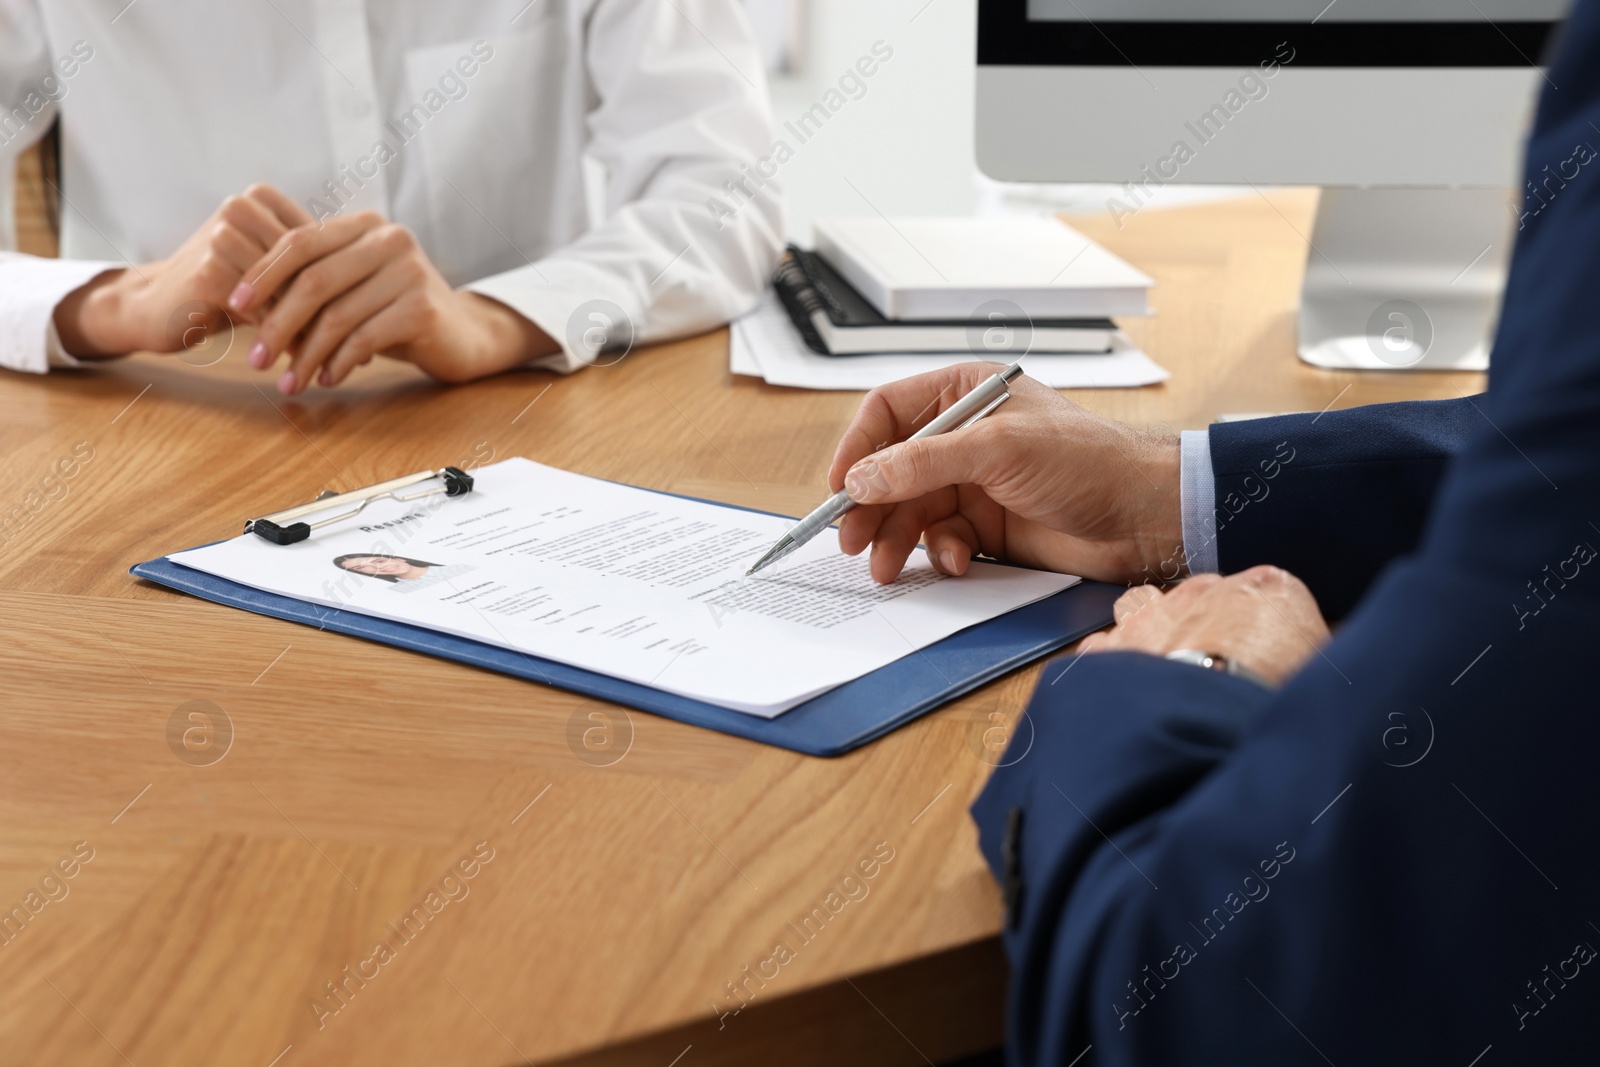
[1263, 618]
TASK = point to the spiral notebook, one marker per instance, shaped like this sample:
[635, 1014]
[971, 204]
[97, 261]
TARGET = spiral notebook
[835, 320]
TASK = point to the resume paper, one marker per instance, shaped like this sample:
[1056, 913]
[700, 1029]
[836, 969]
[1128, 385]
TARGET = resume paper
[630, 583]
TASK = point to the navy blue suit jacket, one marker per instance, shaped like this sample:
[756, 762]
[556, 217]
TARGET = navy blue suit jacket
[1393, 858]
[1336, 497]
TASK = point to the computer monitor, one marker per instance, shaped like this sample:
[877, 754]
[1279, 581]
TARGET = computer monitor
[1410, 113]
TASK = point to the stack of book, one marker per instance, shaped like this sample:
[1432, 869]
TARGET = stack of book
[985, 286]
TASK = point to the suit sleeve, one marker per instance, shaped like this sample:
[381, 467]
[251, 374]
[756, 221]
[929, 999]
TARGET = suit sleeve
[1046, 821]
[1359, 868]
[1333, 498]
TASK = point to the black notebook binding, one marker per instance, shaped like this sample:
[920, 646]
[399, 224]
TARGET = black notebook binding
[797, 286]
[807, 284]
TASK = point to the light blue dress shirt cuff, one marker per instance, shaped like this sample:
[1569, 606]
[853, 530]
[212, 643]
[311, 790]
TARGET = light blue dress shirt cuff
[1197, 501]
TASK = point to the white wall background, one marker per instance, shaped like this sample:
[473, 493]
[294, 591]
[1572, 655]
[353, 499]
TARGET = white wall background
[906, 146]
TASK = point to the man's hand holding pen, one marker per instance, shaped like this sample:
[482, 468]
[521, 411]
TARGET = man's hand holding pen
[1041, 482]
[1045, 483]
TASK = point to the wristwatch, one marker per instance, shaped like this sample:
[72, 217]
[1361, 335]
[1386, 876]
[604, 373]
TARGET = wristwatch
[1212, 661]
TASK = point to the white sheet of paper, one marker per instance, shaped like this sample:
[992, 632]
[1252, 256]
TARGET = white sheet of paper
[742, 356]
[633, 584]
[764, 344]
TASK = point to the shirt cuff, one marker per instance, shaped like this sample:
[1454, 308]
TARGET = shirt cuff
[30, 289]
[1197, 501]
[54, 351]
[586, 310]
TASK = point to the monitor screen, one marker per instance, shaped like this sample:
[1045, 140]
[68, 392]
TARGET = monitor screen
[1302, 11]
[1207, 33]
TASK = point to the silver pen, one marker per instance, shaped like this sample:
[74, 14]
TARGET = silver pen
[989, 394]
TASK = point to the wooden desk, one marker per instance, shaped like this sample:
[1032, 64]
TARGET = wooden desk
[620, 899]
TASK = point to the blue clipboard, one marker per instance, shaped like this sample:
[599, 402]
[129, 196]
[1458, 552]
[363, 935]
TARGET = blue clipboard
[831, 724]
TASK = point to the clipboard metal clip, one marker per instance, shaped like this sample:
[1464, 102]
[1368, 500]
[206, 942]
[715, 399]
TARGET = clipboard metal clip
[281, 527]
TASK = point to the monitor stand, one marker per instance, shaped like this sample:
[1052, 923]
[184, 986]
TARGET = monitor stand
[1405, 279]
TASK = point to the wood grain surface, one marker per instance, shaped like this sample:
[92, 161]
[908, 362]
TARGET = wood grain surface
[34, 234]
[623, 881]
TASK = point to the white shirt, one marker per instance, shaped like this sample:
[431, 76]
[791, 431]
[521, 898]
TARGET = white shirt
[1197, 501]
[484, 112]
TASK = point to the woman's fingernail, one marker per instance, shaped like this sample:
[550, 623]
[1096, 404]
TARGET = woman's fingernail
[259, 357]
[865, 478]
[286, 383]
[325, 378]
[239, 299]
[948, 558]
